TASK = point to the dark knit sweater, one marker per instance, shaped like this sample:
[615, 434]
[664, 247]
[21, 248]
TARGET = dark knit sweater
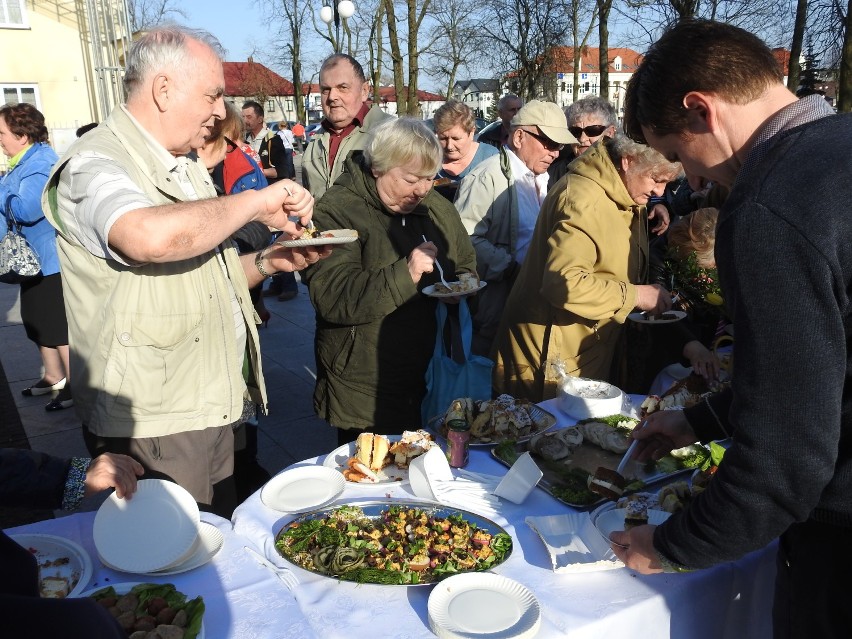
[784, 253]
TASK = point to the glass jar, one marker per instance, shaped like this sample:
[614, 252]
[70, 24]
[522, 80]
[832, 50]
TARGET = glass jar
[458, 443]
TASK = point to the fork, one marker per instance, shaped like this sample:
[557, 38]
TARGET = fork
[438, 266]
[285, 575]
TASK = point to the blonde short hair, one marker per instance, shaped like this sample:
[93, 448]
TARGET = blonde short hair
[403, 141]
[695, 233]
[453, 113]
[230, 127]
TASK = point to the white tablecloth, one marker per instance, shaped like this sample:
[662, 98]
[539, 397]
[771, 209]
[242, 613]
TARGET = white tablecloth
[732, 600]
[242, 599]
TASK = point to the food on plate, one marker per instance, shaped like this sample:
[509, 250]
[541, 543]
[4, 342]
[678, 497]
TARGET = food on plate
[655, 317]
[607, 483]
[402, 545]
[636, 514]
[556, 445]
[413, 443]
[467, 283]
[610, 433]
[54, 587]
[158, 608]
[684, 393]
[497, 420]
[375, 452]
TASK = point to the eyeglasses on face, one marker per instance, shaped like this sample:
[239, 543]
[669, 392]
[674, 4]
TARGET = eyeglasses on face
[591, 131]
[546, 142]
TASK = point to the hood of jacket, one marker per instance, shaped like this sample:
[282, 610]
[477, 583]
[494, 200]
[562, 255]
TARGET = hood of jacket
[597, 166]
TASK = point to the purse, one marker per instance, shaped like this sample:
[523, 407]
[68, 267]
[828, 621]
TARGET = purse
[447, 379]
[18, 260]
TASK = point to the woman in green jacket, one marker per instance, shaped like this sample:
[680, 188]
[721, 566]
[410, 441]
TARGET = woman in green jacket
[375, 328]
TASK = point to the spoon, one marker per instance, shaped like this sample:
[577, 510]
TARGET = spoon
[438, 266]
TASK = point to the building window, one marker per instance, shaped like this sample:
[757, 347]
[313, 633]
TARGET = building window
[617, 63]
[270, 106]
[13, 14]
[15, 93]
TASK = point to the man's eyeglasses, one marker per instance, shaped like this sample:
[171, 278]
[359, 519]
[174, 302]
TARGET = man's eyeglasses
[546, 142]
[591, 131]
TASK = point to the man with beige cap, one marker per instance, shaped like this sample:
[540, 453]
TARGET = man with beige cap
[499, 203]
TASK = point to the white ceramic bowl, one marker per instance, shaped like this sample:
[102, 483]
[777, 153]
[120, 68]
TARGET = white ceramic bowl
[519, 482]
[583, 398]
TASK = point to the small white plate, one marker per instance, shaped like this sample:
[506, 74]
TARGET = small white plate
[340, 236]
[49, 549]
[302, 488]
[480, 604]
[124, 588]
[430, 290]
[642, 318]
[129, 533]
[391, 474]
[610, 521]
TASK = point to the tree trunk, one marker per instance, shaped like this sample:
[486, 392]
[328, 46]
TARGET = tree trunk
[684, 8]
[296, 63]
[376, 49]
[794, 68]
[396, 59]
[844, 83]
[603, 51]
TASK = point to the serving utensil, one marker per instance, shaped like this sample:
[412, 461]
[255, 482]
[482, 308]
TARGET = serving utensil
[285, 575]
[438, 266]
[623, 463]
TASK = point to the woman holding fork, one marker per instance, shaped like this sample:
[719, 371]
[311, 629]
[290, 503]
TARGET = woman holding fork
[375, 328]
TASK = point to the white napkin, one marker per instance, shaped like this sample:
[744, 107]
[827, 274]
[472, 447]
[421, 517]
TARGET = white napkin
[573, 543]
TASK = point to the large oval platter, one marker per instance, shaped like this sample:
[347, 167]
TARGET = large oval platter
[373, 510]
[543, 421]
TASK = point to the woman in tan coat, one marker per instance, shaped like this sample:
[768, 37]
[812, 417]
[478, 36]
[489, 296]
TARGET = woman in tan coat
[584, 272]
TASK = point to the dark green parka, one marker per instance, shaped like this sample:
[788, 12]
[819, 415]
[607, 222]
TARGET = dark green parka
[375, 330]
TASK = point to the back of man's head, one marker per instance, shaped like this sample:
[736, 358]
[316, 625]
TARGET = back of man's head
[164, 48]
[696, 55]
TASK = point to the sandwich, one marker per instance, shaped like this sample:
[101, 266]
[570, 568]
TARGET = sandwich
[372, 450]
[607, 483]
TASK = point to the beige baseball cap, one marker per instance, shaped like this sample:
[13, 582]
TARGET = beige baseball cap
[548, 117]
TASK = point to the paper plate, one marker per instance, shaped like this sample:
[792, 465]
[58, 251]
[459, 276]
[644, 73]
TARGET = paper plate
[124, 588]
[59, 557]
[149, 532]
[479, 605]
[430, 290]
[642, 318]
[302, 488]
[340, 236]
[391, 474]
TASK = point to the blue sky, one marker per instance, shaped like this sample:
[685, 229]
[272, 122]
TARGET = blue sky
[236, 23]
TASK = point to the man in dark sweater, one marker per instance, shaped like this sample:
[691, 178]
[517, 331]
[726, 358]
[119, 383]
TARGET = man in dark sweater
[712, 96]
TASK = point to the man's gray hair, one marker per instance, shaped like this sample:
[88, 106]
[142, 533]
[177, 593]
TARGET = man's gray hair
[503, 100]
[592, 105]
[165, 47]
[403, 141]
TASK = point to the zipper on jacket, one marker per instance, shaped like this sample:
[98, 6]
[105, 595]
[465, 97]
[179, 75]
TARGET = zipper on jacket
[595, 330]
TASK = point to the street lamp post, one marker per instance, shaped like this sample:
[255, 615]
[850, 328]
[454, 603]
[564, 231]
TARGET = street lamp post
[338, 9]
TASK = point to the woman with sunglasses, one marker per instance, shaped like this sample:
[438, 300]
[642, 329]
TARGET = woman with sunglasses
[589, 119]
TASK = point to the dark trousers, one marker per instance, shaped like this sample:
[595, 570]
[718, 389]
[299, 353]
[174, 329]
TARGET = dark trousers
[813, 588]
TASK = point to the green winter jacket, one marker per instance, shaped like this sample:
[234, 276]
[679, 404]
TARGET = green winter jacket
[375, 329]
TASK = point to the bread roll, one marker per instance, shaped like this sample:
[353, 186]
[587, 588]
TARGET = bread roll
[364, 448]
[381, 446]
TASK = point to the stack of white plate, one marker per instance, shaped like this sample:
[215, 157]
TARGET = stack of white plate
[157, 531]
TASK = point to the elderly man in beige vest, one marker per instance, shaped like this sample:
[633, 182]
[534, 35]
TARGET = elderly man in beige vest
[348, 119]
[162, 330]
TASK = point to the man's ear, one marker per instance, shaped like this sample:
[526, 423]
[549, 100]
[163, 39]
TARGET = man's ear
[365, 93]
[701, 112]
[160, 89]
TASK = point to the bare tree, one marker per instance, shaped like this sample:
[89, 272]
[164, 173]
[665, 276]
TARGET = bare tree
[579, 11]
[844, 84]
[455, 42]
[146, 13]
[604, 7]
[523, 34]
[291, 16]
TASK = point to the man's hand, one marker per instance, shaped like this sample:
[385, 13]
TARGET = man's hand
[663, 432]
[294, 259]
[111, 470]
[422, 260]
[286, 199]
[640, 554]
[653, 298]
[659, 214]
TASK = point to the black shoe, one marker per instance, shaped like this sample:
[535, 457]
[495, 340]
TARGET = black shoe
[62, 401]
[43, 388]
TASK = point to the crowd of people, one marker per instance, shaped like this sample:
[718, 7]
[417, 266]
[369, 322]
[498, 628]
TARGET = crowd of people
[574, 220]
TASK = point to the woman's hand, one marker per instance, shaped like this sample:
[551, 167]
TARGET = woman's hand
[662, 432]
[112, 470]
[653, 298]
[660, 214]
[704, 362]
[422, 260]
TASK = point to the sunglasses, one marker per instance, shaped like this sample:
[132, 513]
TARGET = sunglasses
[546, 142]
[591, 131]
